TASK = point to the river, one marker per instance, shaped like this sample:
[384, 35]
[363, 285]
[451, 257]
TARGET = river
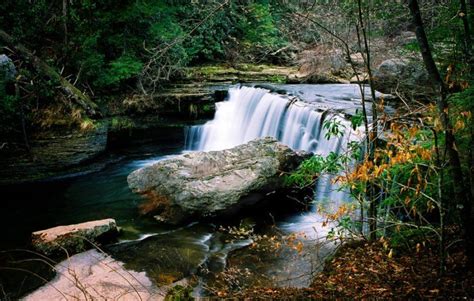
[178, 252]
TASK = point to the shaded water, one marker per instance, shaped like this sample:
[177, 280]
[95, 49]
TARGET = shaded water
[30, 207]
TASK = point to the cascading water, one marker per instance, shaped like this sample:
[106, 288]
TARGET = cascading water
[255, 112]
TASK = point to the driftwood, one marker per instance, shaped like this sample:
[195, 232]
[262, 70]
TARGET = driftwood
[69, 89]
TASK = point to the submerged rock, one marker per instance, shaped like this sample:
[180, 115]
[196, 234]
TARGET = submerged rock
[73, 238]
[206, 184]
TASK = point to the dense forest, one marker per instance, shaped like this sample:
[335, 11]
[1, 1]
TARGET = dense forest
[110, 49]
[84, 84]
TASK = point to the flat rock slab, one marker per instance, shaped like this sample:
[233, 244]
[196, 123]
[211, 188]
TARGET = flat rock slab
[206, 184]
[96, 276]
[73, 238]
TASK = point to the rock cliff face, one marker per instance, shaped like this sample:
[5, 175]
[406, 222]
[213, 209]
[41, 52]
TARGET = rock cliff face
[52, 154]
[205, 184]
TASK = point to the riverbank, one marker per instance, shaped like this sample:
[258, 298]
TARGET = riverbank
[56, 143]
[363, 270]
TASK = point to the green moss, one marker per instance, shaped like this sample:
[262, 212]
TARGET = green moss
[121, 123]
[87, 124]
[208, 108]
[413, 47]
[250, 67]
[281, 79]
[241, 72]
[210, 70]
[180, 293]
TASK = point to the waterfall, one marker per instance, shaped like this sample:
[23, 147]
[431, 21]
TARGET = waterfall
[255, 112]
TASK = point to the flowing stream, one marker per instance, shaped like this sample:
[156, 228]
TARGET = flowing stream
[248, 113]
[252, 112]
[298, 122]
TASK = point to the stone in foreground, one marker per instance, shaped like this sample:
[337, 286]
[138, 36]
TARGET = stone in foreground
[208, 184]
[73, 238]
[96, 276]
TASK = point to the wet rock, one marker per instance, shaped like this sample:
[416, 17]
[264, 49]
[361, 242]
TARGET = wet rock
[206, 184]
[165, 258]
[187, 101]
[360, 78]
[54, 153]
[403, 76]
[73, 238]
[271, 88]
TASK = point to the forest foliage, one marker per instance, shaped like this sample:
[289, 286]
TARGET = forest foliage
[105, 43]
[104, 47]
[418, 179]
[110, 49]
[403, 188]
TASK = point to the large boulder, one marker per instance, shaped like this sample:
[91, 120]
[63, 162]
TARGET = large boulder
[357, 59]
[73, 238]
[206, 184]
[321, 65]
[402, 76]
[7, 68]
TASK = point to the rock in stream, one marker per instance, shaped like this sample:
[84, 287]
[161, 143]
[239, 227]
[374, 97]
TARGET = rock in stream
[74, 238]
[207, 184]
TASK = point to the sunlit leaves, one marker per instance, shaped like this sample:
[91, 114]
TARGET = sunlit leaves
[357, 119]
[309, 171]
[333, 127]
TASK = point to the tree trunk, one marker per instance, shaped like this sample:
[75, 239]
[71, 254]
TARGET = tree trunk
[69, 89]
[65, 23]
[467, 30]
[372, 193]
[22, 117]
[461, 193]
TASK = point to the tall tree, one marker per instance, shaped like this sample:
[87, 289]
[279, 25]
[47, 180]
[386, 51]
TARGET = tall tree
[373, 135]
[467, 30]
[461, 191]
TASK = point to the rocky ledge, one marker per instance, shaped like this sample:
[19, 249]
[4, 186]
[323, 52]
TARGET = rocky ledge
[54, 153]
[216, 183]
[73, 238]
